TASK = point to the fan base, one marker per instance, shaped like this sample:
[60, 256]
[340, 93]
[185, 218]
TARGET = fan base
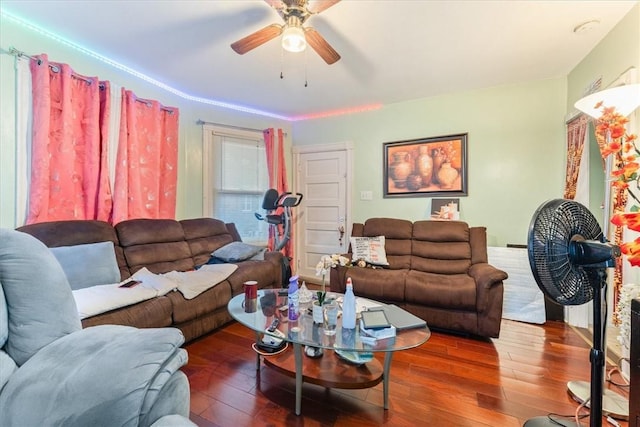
[546, 421]
[613, 404]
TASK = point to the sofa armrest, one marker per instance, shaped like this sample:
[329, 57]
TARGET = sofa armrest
[101, 375]
[338, 279]
[486, 277]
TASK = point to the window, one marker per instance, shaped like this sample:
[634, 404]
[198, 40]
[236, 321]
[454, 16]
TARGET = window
[240, 179]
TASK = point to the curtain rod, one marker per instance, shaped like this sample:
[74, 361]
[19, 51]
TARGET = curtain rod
[15, 52]
[149, 103]
[202, 122]
[593, 87]
[19, 54]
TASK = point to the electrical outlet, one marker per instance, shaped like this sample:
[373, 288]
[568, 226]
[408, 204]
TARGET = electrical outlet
[366, 195]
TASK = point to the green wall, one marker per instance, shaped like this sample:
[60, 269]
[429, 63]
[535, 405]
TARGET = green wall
[515, 152]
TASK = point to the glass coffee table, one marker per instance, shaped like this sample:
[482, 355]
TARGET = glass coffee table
[329, 370]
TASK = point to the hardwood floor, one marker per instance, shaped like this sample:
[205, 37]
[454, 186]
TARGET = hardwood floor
[448, 381]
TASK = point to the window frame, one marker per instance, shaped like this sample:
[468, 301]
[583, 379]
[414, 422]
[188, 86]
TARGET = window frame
[212, 167]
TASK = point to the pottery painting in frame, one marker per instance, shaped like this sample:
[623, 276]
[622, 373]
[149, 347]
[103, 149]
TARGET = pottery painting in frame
[426, 167]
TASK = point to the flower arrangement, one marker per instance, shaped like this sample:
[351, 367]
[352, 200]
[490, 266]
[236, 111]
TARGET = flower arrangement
[623, 312]
[326, 263]
[611, 127]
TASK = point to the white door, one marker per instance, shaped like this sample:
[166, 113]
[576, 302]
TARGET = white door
[322, 224]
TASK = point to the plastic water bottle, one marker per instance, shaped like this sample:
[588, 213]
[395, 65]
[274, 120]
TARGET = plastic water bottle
[349, 307]
[293, 298]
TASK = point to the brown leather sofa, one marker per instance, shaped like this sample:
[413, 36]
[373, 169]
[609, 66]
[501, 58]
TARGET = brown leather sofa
[163, 245]
[437, 270]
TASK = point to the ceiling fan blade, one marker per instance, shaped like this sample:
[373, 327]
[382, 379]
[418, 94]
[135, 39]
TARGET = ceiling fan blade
[256, 39]
[320, 5]
[279, 5]
[276, 4]
[320, 45]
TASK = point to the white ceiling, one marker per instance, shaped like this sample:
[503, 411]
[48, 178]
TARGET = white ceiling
[391, 50]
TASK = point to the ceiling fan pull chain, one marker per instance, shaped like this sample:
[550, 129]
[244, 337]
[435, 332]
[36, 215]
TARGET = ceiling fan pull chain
[281, 62]
[305, 68]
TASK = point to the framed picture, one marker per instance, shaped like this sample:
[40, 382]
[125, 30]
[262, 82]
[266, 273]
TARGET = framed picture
[445, 209]
[427, 167]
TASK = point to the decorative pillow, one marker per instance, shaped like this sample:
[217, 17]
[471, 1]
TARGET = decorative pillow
[88, 265]
[40, 305]
[237, 251]
[370, 249]
[259, 256]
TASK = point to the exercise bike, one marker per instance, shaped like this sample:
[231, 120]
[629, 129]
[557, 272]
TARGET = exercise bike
[281, 222]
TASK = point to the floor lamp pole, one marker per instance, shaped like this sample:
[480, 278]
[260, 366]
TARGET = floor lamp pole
[597, 356]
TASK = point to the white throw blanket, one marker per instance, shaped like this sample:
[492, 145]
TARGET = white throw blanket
[193, 283]
[102, 298]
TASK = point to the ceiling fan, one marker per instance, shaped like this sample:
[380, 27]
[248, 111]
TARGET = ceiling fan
[295, 35]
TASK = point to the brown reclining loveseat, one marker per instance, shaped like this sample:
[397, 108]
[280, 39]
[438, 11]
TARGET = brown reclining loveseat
[437, 270]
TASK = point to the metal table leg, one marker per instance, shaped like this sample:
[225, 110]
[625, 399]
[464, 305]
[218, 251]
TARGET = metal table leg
[297, 352]
[385, 377]
[257, 354]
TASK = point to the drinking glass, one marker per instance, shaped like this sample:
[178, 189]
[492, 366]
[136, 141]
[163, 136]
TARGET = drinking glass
[330, 318]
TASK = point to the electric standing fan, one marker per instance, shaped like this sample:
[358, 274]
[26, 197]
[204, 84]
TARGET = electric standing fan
[569, 257]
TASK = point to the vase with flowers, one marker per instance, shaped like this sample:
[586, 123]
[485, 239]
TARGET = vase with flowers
[611, 127]
[324, 266]
[625, 178]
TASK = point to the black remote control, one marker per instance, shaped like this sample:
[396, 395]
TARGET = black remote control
[274, 325]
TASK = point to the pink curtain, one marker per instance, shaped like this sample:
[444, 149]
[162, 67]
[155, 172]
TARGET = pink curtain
[69, 172]
[146, 166]
[277, 178]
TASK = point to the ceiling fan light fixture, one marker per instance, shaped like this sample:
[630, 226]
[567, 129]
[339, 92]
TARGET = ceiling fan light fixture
[293, 39]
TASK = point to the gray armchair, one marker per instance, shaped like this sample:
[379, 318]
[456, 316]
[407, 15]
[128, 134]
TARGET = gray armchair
[54, 373]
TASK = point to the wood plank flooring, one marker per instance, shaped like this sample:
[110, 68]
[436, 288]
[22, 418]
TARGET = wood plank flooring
[448, 381]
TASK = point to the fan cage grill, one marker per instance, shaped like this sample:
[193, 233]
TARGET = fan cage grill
[554, 225]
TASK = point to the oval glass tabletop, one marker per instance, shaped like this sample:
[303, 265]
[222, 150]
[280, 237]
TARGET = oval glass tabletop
[272, 304]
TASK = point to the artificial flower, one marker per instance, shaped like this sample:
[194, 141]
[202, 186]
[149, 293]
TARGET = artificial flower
[326, 263]
[632, 251]
[627, 171]
[611, 148]
[629, 219]
[611, 127]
